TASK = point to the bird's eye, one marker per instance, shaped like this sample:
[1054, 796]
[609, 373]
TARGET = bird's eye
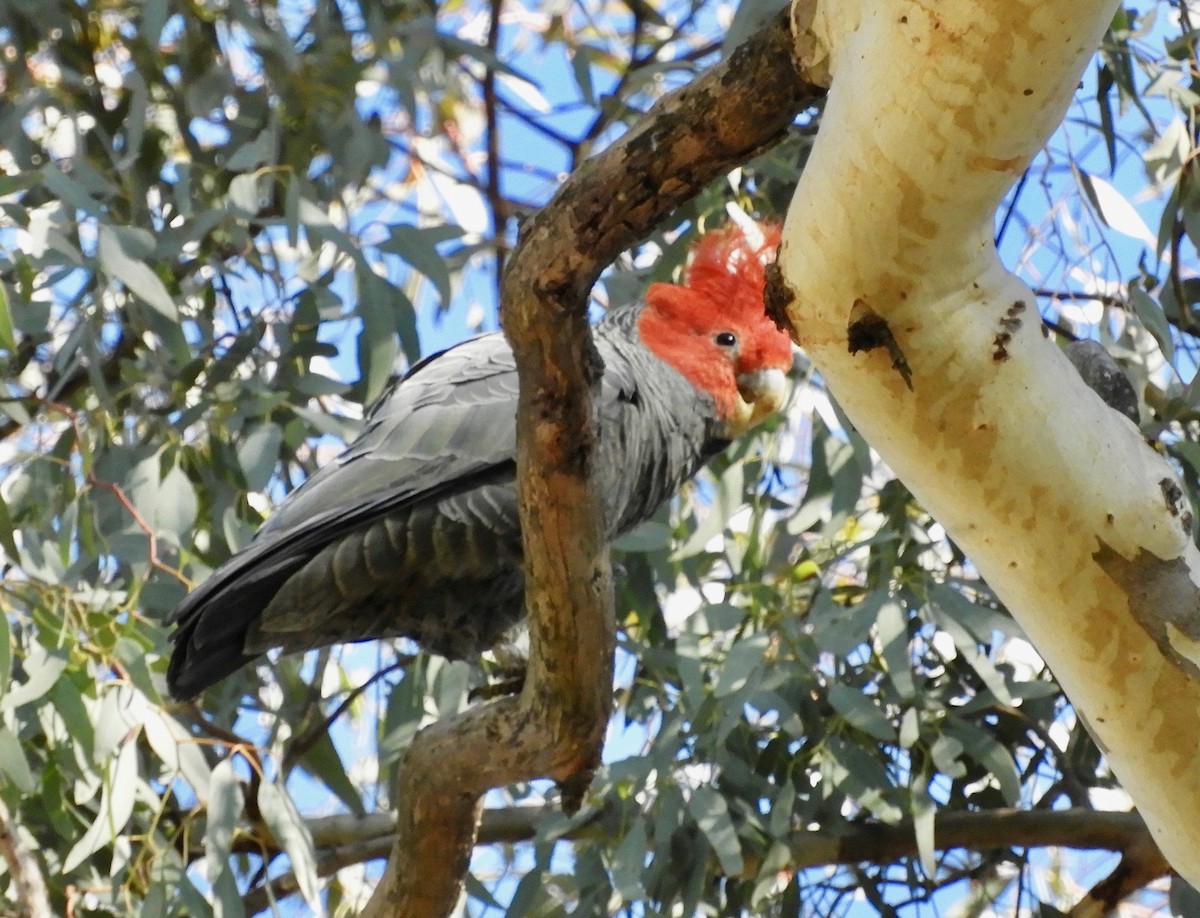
[725, 339]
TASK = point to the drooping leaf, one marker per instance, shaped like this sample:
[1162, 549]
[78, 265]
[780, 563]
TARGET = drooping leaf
[116, 806]
[224, 807]
[287, 826]
[123, 252]
[258, 453]
[13, 763]
[860, 711]
[711, 813]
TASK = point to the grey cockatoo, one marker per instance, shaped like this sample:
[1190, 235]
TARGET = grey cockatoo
[413, 531]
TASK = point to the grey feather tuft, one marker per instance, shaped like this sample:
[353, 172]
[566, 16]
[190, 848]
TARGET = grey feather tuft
[1104, 376]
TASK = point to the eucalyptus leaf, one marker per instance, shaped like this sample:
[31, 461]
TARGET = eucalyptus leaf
[13, 763]
[116, 807]
[122, 252]
[287, 826]
[224, 807]
[711, 813]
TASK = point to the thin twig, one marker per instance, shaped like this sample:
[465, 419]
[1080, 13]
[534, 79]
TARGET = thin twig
[306, 740]
[492, 139]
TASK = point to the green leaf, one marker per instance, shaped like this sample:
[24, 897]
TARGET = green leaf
[6, 648]
[1154, 319]
[322, 761]
[42, 669]
[65, 187]
[227, 898]
[946, 753]
[244, 194]
[8, 340]
[628, 863]
[292, 835]
[967, 644]
[261, 151]
[581, 67]
[13, 762]
[744, 660]
[728, 496]
[711, 813]
[910, 728]
[178, 751]
[117, 245]
[175, 506]
[924, 811]
[377, 344]
[858, 775]
[782, 810]
[291, 210]
[1114, 209]
[891, 628]
[418, 247]
[121, 708]
[258, 453]
[987, 751]
[116, 806]
[861, 712]
[224, 807]
[154, 18]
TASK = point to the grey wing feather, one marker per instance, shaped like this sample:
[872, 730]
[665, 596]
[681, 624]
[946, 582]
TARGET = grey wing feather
[1104, 376]
[414, 531]
[452, 417]
[448, 426]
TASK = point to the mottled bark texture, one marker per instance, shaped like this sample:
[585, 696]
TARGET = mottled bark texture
[1080, 527]
[556, 727]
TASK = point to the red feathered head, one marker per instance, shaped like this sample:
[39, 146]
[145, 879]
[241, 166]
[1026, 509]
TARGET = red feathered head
[713, 329]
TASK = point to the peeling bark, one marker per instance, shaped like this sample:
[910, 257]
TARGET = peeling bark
[934, 110]
[1162, 599]
[556, 727]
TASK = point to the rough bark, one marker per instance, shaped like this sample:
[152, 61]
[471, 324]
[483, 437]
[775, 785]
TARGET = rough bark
[934, 110]
[556, 726]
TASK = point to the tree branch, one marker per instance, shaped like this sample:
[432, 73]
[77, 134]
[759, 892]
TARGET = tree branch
[1141, 862]
[1078, 526]
[556, 726]
[32, 899]
[345, 840]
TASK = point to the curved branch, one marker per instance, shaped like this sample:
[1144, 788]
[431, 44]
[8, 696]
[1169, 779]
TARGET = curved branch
[556, 726]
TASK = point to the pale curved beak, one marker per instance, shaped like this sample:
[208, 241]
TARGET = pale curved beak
[760, 393]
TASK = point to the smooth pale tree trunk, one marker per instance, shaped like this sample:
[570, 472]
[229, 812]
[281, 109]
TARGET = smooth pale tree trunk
[1080, 527]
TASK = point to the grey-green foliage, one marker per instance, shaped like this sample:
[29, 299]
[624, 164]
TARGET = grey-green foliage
[219, 224]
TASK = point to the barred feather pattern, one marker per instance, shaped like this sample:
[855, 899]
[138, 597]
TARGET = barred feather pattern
[413, 532]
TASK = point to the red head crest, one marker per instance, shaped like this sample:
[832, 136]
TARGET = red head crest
[713, 329]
